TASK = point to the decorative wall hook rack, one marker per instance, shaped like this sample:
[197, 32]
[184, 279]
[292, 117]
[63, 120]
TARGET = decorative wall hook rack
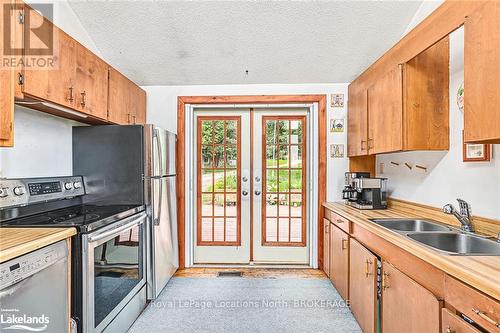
[421, 167]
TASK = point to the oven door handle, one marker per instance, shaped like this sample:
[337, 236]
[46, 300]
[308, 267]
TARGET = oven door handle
[135, 222]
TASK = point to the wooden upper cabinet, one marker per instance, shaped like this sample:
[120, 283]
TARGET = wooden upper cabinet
[385, 113]
[406, 305]
[56, 84]
[426, 99]
[481, 73]
[357, 124]
[407, 107]
[127, 101]
[363, 285]
[339, 260]
[91, 91]
[7, 86]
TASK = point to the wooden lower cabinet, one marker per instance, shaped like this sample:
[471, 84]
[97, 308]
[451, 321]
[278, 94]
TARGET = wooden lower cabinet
[326, 247]
[454, 324]
[339, 260]
[406, 305]
[363, 286]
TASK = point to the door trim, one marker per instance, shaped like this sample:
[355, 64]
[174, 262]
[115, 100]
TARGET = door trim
[249, 100]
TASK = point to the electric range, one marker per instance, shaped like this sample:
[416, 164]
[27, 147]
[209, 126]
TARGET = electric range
[108, 252]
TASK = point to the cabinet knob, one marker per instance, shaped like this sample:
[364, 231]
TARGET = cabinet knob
[84, 101]
[449, 330]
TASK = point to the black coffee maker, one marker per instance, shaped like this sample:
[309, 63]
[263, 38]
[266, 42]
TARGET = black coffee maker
[363, 192]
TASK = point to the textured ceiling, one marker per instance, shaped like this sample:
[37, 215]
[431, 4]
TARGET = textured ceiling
[215, 42]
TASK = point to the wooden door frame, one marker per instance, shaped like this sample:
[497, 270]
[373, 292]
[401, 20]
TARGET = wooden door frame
[250, 99]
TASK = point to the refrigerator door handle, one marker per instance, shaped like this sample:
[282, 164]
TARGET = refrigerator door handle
[159, 152]
[157, 218]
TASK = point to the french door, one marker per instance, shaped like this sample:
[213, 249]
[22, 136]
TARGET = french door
[251, 192]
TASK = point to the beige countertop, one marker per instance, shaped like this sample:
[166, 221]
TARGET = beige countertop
[480, 272]
[18, 241]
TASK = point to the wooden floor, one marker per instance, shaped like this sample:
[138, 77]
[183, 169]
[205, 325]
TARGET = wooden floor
[305, 273]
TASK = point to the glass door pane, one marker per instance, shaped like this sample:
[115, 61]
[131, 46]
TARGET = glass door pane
[218, 181]
[284, 174]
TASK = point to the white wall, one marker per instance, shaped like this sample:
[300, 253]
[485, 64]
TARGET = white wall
[42, 142]
[162, 111]
[448, 177]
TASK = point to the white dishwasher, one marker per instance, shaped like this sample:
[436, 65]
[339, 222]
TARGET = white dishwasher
[34, 291]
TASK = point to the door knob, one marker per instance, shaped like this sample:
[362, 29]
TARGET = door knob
[257, 192]
[244, 193]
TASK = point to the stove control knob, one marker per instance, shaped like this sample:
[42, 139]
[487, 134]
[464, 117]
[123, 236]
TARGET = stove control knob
[77, 185]
[19, 190]
[4, 192]
[68, 186]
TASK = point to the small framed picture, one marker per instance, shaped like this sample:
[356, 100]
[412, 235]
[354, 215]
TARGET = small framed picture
[336, 150]
[476, 152]
[337, 100]
[336, 125]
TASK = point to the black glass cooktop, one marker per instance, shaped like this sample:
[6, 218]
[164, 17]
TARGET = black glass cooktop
[83, 217]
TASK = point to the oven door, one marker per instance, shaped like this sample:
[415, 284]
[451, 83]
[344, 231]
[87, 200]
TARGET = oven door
[114, 270]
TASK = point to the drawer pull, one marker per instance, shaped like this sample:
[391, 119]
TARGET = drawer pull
[344, 241]
[340, 221]
[483, 315]
[367, 267]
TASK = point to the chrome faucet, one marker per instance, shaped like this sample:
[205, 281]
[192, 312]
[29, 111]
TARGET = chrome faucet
[464, 216]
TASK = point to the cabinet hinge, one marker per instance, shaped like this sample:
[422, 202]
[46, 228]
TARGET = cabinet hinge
[21, 18]
[20, 79]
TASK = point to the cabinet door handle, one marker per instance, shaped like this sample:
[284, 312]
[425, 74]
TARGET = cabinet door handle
[340, 221]
[449, 330]
[385, 278]
[367, 267]
[128, 118]
[370, 146]
[133, 117]
[363, 141]
[71, 98]
[84, 101]
[344, 241]
[483, 315]
[326, 228]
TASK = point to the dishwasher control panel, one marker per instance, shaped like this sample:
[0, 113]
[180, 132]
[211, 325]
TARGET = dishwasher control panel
[21, 192]
[20, 268]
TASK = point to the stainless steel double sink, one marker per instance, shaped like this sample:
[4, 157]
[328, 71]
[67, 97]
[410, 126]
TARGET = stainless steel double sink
[440, 237]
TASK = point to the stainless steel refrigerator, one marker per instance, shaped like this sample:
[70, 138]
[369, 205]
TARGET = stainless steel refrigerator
[161, 198]
[134, 164]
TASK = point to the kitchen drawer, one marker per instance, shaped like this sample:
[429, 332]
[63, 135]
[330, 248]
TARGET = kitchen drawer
[338, 220]
[482, 309]
[454, 324]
